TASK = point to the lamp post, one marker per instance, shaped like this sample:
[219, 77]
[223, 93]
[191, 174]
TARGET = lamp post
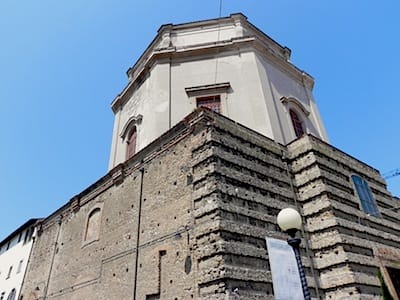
[289, 220]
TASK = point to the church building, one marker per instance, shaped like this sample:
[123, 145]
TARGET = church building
[214, 134]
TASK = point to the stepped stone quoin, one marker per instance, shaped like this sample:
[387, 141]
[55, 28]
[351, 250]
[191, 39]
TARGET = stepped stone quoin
[218, 221]
[189, 198]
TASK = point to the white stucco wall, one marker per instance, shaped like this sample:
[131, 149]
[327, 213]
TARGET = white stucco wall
[17, 252]
[254, 66]
[277, 84]
[244, 100]
[211, 33]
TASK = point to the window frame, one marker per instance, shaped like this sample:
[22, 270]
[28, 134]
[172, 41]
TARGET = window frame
[387, 258]
[365, 197]
[201, 92]
[297, 123]
[131, 126]
[20, 264]
[131, 143]
[9, 272]
[291, 104]
[212, 102]
[12, 294]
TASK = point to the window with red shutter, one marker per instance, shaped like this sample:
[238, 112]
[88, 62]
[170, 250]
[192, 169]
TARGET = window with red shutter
[211, 102]
[297, 123]
[131, 143]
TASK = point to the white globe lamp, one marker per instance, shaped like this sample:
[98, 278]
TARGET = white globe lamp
[289, 219]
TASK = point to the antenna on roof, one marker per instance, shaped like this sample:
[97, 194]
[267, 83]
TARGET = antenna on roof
[219, 31]
[391, 174]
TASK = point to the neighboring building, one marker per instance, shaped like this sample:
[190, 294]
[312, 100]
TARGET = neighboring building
[14, 254]
[184, 212]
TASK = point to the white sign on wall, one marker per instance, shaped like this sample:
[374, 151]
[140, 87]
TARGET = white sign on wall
[285, 274]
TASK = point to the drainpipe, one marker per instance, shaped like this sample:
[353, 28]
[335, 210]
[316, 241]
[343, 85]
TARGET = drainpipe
[169, 94]
[304, 233]
[46, 288]
[138, 231]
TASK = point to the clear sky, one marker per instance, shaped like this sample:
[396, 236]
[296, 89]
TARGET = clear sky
[63, 62]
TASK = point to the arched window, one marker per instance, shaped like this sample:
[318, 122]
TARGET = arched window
[93, 225]
[364, 194]
[129, 135]
[297, 123]
[11, 295]
[131, 143]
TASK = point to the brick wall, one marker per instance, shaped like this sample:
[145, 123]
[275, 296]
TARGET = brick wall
[187, 217]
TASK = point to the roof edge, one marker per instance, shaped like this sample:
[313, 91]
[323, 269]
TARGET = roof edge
[20, 228]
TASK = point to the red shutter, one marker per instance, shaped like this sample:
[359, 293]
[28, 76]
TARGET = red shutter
[131, 144]
[297, 124]
[211, 102]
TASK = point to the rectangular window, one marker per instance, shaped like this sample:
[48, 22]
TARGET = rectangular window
[364, 194]
[28, 234]
[20, 266]
[9, 272]
[211, 102]
[131, 147]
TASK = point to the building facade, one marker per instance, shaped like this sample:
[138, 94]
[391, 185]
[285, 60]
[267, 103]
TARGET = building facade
[226, 64]
[185, 209]
[14, 254]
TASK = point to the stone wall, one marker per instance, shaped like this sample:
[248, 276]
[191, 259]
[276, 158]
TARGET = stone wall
[343, 238]
[240, 185]
[146, 202]
[187, 217]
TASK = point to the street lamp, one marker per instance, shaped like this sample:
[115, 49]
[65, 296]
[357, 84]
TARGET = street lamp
[289, 220]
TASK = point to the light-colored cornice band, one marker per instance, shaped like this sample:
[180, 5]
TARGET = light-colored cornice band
[208, 89]
[213, 48]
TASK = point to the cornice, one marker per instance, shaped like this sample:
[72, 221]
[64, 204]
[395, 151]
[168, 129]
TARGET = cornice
[247, 43]
[209, 88]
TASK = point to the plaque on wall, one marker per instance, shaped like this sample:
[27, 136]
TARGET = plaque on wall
[285, 274]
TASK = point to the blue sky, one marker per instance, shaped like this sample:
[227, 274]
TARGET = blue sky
[63, 62]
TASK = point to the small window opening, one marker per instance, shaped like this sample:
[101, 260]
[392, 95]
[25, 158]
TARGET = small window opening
[9, 272]
[297, 123]
[19, 269]
[211, 102]
[12, 294]
[28, 234]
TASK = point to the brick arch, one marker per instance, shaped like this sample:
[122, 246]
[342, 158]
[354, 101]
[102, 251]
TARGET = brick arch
[92, 225]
